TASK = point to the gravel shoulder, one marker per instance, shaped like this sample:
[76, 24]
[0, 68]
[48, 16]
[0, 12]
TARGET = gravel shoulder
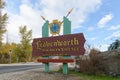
[38, 74]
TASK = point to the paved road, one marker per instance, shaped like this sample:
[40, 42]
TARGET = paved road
[15, 68]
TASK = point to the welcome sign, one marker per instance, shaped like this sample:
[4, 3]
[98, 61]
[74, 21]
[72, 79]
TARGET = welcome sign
[72, 44]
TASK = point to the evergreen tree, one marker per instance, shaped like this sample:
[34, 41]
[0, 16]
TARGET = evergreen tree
[114, 45]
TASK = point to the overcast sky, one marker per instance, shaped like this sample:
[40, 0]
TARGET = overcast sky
[99, 20]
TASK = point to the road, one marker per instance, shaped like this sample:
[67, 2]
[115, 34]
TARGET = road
[20, 67]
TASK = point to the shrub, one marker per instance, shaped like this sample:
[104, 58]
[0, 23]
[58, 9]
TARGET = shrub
[91, 64]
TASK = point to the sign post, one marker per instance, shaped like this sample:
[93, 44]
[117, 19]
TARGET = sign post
[64, 45]
[66, 30]
[10, 52]
[45, 33]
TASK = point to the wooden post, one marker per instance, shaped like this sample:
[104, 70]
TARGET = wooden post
[45, 33]
[66, 30]
[46, 64]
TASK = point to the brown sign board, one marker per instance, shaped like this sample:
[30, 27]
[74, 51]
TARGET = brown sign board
[56, 60]
[71, 44]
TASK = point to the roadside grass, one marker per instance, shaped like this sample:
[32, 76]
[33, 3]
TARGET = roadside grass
[90, 77]
[94, 77]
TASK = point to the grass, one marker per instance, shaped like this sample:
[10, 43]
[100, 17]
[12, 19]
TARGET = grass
[91, 77]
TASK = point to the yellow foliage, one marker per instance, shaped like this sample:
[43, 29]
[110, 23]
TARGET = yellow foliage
[7, 47]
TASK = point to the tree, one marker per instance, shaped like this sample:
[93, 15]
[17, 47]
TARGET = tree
[114, 45]
[3, 19]
[18, 53]
[4, 56]
[26, 37]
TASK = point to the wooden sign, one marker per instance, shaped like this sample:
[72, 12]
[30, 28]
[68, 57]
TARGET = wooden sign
[72, 44]
[56, 60]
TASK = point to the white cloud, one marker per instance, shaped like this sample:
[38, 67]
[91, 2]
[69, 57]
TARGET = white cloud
[25, 1]
[103, 21]
[114, 35]
[104, 47]
[114, 27]
[101, 47]
[93, 38]
[90, 29]
[55, 9]
[28, 17]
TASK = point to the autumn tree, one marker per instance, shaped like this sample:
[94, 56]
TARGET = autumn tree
[25, 47]
[4, 56]
[3, 19]
[18, 53]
